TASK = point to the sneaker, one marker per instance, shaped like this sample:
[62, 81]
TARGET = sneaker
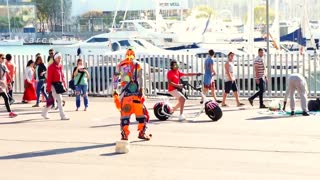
[250, 101]
[181, 117]
[44, 116]
[144, 136]
[201, 102]
[292, 113]
[304, 113]
[12, 115]
[77, 109]
[263, 106]
[36, 105]
[240, 104]
[85, 109]
[218, 101]
[65, 118]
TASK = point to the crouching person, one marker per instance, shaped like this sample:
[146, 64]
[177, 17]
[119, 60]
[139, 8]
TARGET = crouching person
[296, 82]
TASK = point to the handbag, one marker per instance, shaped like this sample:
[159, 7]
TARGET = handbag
[58, 86]
[71, 85]
[71, 82]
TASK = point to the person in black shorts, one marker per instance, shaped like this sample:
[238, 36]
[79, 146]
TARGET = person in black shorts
[230, 81]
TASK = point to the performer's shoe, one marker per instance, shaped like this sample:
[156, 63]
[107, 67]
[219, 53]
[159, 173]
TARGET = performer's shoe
[124, 136]
[125, 132]
[144, 136]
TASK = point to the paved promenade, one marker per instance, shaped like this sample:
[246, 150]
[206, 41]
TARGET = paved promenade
[244, 144]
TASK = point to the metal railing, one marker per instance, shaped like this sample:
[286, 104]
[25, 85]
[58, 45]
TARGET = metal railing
[102, 68]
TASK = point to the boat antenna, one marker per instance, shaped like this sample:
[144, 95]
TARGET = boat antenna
[115, 15]
[8, 10]
[127, 7]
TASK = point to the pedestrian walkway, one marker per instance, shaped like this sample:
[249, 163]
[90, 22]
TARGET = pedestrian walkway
[243, 144]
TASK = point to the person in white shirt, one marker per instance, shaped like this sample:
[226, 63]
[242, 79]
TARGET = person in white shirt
[29, 84]
[230, 81]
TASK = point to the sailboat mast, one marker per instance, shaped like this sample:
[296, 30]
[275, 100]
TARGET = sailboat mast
[9, 25]
[62, 17]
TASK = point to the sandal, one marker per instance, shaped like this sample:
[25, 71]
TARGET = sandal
[225, 105]
[240, 104]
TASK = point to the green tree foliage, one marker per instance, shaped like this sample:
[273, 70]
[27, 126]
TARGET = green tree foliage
[204, 11]
[50, 12]
[260, 15]
[92, 14]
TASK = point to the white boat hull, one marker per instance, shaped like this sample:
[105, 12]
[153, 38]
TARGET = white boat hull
[11, 42]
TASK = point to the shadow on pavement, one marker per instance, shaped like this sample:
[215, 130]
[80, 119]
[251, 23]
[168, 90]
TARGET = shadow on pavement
[153, 122]
[40, 119]
[270, 117]
[112, 154]
[51, 152]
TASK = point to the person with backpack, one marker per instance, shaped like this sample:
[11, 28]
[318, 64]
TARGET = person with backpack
[80, 77]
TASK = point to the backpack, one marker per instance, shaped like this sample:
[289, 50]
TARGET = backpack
[314, 105]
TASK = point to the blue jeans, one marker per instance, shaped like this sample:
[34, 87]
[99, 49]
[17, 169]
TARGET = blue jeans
[262, 89]
[82, 90]
[40, 88]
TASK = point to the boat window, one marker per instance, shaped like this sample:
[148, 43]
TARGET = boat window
[139, 42]
[124, 43]
[115, 46]
[219, 54]
[129, 26]
[94, 40]
[145, 25]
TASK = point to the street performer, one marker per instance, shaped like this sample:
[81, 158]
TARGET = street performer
[130, 100]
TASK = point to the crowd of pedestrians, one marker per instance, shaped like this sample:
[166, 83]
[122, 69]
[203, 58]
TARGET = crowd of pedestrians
[43, 82]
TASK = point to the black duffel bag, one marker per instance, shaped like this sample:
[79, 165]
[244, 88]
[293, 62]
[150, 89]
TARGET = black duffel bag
[314, 105]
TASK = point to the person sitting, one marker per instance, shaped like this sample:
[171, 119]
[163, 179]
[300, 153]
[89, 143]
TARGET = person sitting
[174, 86]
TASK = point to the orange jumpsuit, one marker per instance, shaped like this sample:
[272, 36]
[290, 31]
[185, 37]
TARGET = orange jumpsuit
[129, 73]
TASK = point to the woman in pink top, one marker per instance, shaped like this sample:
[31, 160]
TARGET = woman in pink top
[174, 86]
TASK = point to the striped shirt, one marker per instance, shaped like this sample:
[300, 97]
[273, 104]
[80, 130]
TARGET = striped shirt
[258, 62]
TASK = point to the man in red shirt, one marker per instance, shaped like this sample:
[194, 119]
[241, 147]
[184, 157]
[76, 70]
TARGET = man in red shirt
[174, 86]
